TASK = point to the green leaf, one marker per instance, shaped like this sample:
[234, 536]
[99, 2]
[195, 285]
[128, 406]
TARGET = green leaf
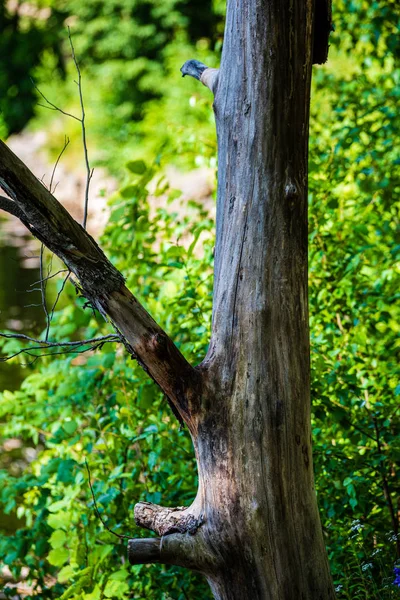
[115, 589]
[69, 426]
[66, 574]
[58, 538]
[60, 520]
[136, 166]
[95, 594]
[58, 556]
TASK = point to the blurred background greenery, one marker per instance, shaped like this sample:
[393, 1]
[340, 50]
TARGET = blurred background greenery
[58, 411]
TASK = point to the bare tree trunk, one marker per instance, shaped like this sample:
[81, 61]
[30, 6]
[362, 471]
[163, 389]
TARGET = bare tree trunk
[253, 529]
[253, 441]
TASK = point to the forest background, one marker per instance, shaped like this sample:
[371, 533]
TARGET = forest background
[142, 121]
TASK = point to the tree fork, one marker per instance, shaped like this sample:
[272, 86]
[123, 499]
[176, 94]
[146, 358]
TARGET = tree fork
[253, 439]
[253, 529]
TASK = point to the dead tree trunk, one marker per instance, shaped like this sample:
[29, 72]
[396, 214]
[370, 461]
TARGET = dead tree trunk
[253, 529]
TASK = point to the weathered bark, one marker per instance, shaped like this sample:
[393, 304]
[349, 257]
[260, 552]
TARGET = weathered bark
[253, 529]
[101, 283]
[254, 441]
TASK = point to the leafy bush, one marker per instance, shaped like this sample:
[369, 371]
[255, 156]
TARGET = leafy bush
[103, 409]
[23, 39]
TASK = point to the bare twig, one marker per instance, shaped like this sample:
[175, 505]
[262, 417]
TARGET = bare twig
[97, 510]
[68, 347]
[53, 308]
[49, 277]
[66, 142]
[89, 174]
[43, 291]
[112, 337]
[36, 357]
[89, 171]
[52, 106]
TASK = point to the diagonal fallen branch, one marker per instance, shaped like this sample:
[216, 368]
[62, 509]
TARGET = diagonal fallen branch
[101, 283]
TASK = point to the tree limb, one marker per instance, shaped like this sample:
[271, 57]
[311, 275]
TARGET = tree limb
[184, 550]
[207, 75]
[164, 521]
[102, 284]
[11, 207]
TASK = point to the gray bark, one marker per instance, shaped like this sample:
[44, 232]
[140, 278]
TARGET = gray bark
[254, 440]
[253, 529]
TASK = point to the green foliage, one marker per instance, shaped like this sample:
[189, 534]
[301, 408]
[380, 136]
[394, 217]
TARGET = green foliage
[22, 41]
[122, 45]
[102, 408]
[354, 292]
[370, 28]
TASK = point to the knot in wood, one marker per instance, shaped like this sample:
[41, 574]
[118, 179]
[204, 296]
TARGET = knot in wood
[158, 343]
[291, 191]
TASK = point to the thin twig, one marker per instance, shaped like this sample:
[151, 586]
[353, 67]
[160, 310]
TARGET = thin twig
[128, 537]
[111, 337]
[66, 142]
[68, 347]
[49, 277]
[44, 354]
[62, 353]
[53, 308]
[89, 171]
[43, 292]
[52, 106]
[43, 280]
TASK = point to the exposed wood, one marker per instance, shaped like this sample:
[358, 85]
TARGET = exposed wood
[254, 441]
[145, 550]
[200, 71]
[175, 549]
[210, 79]
[253, 529]
[100, 282]
[164, 521]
